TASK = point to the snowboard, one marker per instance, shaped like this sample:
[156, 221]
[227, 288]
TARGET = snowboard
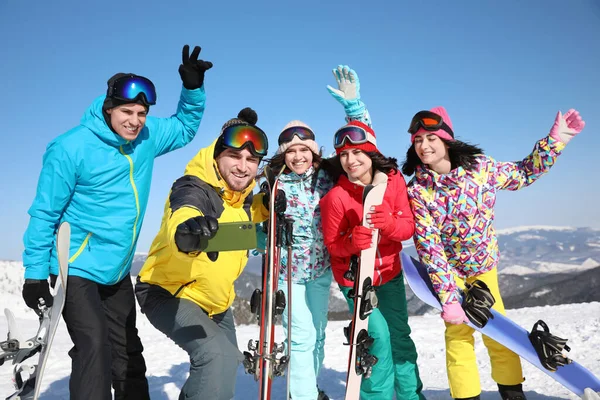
[28, 378]
[573, 376]
[360, 362]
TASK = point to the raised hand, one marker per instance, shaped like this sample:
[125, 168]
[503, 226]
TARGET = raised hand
[566, 126]
[191, 69]
[348, 93]
[348, 84]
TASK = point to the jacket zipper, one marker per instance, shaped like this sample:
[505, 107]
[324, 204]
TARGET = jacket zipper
[137, 207]
[81, 248]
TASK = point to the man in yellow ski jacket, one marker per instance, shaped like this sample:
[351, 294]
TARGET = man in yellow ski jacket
[187, 293]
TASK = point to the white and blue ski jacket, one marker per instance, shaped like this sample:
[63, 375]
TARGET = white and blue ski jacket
[99, 183]
[310, 258]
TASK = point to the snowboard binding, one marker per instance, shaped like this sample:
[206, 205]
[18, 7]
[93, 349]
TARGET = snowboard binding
[548, 347]
[24, 374]
[477, 303]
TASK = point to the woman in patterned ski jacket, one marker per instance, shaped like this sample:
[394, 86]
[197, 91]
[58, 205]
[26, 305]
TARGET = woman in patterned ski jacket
[396, 370]
[452, 195]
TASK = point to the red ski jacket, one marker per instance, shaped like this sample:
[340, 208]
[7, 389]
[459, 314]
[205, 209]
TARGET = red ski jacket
[342, 209]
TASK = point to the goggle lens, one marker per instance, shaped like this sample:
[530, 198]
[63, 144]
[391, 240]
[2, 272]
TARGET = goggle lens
[302, 133]
[131, 87]
[354, 134]
[238, 136]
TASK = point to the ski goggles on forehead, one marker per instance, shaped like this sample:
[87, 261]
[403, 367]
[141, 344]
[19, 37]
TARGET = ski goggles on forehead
[352, 134]
[131, 88]
[429, 121]
[300, 131]
[239, 136]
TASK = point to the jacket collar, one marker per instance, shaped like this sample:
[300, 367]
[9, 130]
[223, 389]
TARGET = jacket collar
[93, 119]
[452, 179]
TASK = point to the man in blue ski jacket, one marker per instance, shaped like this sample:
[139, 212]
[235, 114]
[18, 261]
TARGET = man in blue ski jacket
[97, 177]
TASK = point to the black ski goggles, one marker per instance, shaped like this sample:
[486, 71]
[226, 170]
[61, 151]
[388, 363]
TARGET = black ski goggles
[239, 136]
[429, 121]
[300, 131]
[132, 88]
[352, 134]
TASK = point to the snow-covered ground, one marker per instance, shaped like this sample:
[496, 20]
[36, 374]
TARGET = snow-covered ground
[168, 365]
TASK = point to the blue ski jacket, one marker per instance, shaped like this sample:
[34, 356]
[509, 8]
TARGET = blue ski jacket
[99, 183]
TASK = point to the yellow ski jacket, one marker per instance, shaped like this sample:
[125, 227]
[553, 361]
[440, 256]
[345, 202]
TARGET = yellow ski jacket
[201, 191]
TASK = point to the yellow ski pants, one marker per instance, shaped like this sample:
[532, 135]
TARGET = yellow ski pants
[461, 364]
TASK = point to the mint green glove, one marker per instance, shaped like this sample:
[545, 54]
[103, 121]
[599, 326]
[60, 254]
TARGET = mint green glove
[348, 94]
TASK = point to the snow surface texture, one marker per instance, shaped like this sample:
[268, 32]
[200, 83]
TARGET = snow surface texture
[168, 365]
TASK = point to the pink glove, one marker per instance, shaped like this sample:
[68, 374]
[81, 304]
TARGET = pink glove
[454, 314]
[381, 218]
[567, 126]
[361, 237]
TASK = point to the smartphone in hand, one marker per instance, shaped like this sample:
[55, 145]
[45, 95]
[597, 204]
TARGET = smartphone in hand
[231, 236]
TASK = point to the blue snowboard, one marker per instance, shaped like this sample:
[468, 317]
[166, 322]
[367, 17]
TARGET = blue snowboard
[573, 376]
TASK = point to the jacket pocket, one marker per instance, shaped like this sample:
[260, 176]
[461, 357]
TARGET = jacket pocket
[81, 247]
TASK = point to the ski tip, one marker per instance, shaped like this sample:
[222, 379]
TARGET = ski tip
[64, 228]
[63, 244]
[13, 330]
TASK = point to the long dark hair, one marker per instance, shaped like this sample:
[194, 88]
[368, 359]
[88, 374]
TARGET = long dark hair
[461, 154]
[380, 163]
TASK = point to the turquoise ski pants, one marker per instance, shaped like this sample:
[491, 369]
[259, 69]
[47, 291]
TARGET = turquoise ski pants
[310, 303]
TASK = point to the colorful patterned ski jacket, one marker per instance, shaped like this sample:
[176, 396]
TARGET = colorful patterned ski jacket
[454, 213]
[310, 258]
[99, 183]
[201, 191]
[342, 210]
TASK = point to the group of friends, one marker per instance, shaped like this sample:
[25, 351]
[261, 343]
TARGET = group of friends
[97, 177]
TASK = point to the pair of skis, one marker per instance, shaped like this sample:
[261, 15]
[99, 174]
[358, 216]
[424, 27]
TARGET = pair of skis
[265, 358]
[361, 271]
[28, 378]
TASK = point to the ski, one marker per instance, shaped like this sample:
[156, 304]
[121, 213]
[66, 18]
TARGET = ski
[289, 238]
[27, 378]
[360, 361]
[265, 358]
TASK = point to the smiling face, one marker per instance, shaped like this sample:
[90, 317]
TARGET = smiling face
[128, 120]
[238, 168]
[298, 158]
[433, 152]
[358, 165]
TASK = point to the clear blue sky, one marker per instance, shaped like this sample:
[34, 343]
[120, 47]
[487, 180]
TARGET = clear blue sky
[502, 69]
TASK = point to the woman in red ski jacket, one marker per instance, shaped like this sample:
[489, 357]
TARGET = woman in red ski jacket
[342, 210]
